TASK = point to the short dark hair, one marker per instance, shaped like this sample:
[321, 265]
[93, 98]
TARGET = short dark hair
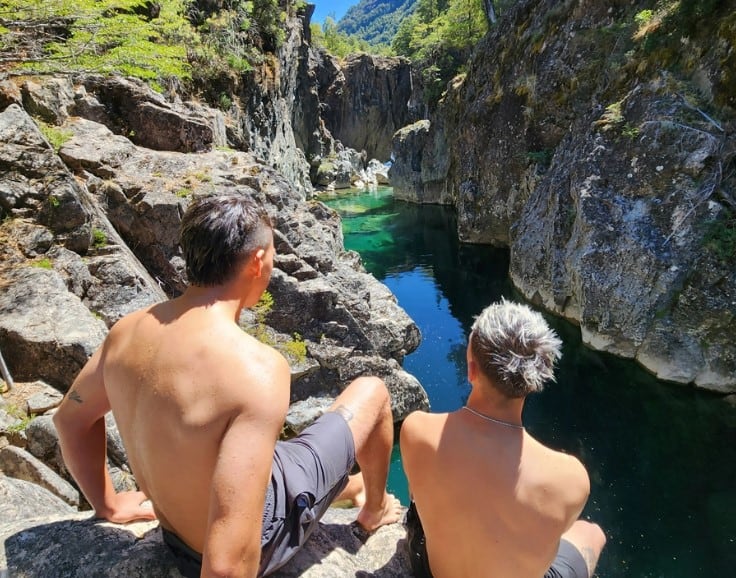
[218, 232]
[515, 348]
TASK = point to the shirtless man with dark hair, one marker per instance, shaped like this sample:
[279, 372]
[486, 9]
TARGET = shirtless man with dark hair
[200, 405]
[489, 499]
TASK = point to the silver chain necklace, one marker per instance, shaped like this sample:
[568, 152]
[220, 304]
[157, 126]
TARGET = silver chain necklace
[494, 420]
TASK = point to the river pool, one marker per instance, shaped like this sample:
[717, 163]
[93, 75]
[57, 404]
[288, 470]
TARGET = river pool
[661, 457]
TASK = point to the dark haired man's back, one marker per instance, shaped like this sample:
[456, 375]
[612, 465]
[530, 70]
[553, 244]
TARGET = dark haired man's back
[200, 406]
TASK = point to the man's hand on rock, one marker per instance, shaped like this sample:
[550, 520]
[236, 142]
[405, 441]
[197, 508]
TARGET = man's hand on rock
[128, 507]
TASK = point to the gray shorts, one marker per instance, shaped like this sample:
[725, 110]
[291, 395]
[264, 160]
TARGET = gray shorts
[569, 563]
[308, 473]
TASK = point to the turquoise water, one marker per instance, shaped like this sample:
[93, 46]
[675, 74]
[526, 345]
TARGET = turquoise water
[661, 457]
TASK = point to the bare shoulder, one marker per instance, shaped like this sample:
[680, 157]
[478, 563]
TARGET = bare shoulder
[125, 325]
[419, 429]
[572, 478]
[261, 375]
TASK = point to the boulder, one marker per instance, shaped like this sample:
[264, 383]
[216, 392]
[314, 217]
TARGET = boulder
[43, 442]
[53, 541]
[421, 163]
[45, 332]
[20, 464]
[49, 100]
[133, 110]
[45, 398]
[21, 501]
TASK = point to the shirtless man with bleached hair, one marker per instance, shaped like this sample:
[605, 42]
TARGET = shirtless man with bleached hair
[200, 405]
[490, 499]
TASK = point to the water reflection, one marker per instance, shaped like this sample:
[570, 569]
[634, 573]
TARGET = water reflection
[661, 457]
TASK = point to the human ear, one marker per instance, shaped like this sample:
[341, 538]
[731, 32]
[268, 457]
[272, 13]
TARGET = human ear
[258, 261]
[472, 369]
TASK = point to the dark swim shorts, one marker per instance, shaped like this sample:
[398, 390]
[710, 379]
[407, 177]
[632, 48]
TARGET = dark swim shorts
[568, 563]
[307, 474]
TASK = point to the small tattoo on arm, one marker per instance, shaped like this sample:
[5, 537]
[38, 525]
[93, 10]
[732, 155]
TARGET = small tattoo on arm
[74, 396]
[346, 414]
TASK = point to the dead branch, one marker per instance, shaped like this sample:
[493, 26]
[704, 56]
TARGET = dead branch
[708, 191]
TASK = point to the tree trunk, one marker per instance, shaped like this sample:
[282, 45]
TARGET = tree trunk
[490, 11]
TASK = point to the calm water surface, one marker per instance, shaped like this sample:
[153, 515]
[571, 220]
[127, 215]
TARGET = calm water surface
[661, 457]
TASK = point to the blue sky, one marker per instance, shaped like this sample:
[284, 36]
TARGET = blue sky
[333, 8]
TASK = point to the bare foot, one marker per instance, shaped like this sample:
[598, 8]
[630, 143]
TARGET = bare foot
[354, 492]
[389, 513]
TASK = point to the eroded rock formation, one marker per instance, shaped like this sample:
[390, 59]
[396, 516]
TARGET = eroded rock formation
[68, 239]
[599, 148]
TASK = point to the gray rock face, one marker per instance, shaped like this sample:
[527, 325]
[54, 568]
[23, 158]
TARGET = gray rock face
[36, 183]
[614, 238]
[21, 501]
[265, 120]
[31, 544]
[604, 180]
[131, 109]
[135, 197]
[367, 101]
[45, 331]
[421, 164]
[18, 463]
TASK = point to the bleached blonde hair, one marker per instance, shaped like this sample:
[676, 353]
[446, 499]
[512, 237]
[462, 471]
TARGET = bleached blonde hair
[515, 348]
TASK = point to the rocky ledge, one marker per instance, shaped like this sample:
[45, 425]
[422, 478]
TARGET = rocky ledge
[90, 228]
[90, 210]
[53, 541]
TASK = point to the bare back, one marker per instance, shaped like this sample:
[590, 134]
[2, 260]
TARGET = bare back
[175, 380]
[493, 501]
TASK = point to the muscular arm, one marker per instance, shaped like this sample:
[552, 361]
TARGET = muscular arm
[80, 421]
[242, 472]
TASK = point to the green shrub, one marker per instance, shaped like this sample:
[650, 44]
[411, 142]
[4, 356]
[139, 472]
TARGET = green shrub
[44, 263]
[55, 136]
[104, 36]
[263, 307]
[224, 102]
[543, 157]
[99, 238]
[295, 348]
[643, 17]
[19, 414]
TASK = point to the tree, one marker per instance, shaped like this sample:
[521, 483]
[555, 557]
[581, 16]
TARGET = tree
[490, 11]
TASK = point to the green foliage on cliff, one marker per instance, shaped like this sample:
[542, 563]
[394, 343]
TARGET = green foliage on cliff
[56, 136]
[131, 37]
[160, 41]
[439, 37]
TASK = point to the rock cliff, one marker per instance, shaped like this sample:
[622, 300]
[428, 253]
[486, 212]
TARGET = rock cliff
[49, 540]
[367, 101]
[595, 140]
[91, 233]
[96, 172]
